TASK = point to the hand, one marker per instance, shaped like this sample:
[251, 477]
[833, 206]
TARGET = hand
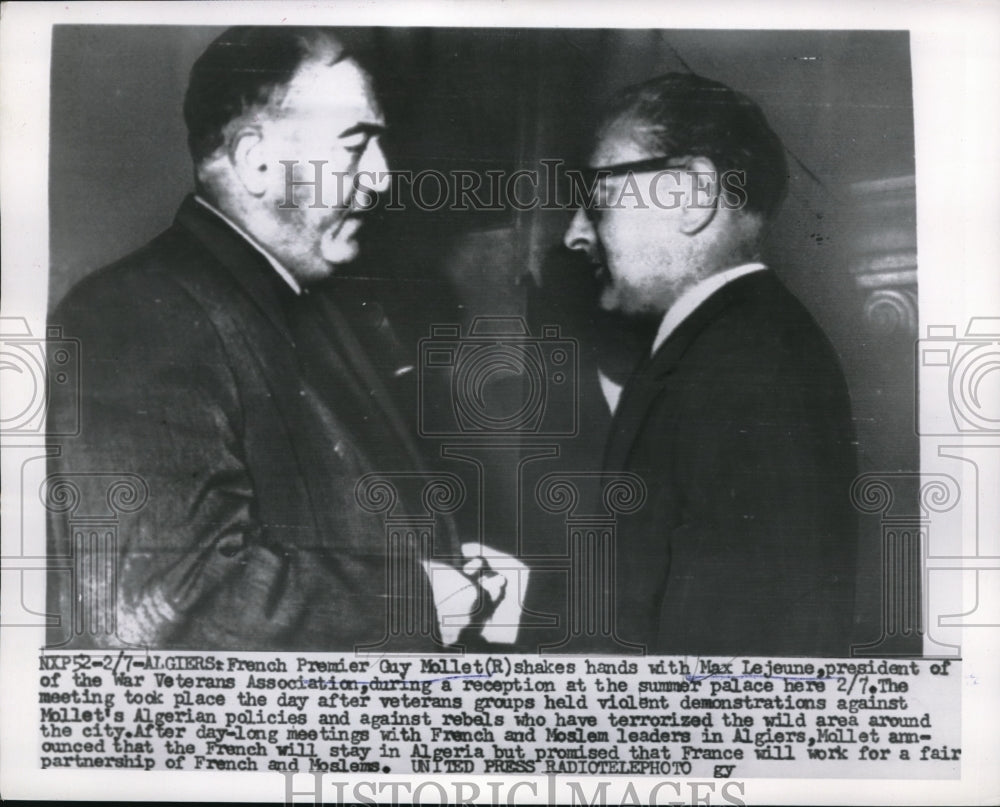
[484, 592]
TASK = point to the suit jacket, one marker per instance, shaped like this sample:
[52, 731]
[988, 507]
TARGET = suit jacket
[249, 414]
[740, 425]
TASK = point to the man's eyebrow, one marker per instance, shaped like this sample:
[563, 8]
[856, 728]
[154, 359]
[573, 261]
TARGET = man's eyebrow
[363, 128]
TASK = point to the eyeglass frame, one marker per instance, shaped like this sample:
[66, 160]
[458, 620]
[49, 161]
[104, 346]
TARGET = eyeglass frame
[592, 175]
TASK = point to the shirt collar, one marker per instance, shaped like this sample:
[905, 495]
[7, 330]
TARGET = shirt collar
[281, 270]
[686, 304]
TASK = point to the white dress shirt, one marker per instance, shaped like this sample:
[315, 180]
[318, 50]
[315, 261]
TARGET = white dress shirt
[683, 307]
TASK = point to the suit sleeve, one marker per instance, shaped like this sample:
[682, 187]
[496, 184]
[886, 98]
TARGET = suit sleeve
[159, 408]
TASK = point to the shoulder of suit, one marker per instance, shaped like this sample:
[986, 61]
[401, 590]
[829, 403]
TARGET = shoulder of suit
[141, 294]
[149, 273]
[761, 321]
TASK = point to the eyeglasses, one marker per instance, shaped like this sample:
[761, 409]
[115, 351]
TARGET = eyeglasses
[592, 176]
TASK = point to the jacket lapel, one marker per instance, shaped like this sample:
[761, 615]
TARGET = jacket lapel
[350, 350]
[345, 350]
[653, 373]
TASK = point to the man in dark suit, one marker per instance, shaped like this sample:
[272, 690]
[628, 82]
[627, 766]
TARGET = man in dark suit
[222, 383]
[738, 418]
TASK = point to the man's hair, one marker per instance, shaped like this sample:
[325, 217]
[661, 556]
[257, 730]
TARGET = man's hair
[682, 114]
[247, 68]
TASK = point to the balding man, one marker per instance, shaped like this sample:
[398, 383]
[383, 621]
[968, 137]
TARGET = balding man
[738, 419]
[218, 372]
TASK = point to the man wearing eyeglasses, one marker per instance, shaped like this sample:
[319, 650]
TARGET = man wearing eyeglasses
[738, 417]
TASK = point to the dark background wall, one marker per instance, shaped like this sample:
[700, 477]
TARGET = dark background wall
[505, 99]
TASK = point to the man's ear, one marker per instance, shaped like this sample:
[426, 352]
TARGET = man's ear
[247, 155]
[702, 201]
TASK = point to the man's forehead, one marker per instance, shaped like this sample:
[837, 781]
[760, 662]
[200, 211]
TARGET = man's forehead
[620, 141]
[341, 90]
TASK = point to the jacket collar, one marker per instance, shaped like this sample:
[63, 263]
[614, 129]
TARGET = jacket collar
[676, 344]
[689, 301]
[275, 264]
[243, 261]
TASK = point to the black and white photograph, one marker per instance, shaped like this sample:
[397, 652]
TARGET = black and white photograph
[543, 398]
[284, 338]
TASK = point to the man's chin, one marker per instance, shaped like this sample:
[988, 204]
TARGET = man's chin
[340, 253]
[323, 267]
[613, 303]
[608, 300]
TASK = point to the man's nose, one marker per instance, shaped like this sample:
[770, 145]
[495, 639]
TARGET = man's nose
[373, 170]
[580, 234]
